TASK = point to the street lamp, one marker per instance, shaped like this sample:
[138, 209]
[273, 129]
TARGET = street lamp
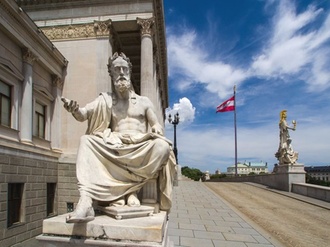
[175, 122]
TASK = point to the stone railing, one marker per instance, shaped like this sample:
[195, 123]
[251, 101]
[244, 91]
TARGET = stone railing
[312, 190]
[291, 181]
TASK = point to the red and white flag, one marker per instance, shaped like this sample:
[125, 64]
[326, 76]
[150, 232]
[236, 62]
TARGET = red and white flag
[228, 105]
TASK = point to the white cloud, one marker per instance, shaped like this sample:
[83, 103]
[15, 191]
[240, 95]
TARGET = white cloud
[287, 23]
[293, 50]
[210, 149]
[193, 65]
[185, 109]
[296, 48]
[283, 58]
[297, 51]
[319, 77]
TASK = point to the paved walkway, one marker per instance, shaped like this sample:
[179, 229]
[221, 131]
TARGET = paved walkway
[199, 217]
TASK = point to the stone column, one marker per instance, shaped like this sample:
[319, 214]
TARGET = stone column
[158, 107]
[103, 34]
[148, 87]
[159, 96]
[55, 130]
[110, 52]
[26, 126]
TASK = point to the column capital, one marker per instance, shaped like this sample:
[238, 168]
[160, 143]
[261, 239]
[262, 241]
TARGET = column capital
[102, 28]
[146, 25]
[28, 56]
[57, 81]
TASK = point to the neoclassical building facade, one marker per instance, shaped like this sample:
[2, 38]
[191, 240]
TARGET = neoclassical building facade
[88, 32]
[247, 168]
[55, 48]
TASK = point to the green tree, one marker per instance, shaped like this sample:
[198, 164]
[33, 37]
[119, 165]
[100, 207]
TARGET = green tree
[317, 181]
[192, 173]
[214, 176]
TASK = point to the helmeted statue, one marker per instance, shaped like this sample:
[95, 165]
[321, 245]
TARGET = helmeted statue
[285, 153]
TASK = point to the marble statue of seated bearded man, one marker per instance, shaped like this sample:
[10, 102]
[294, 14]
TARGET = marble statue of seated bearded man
[118, 155]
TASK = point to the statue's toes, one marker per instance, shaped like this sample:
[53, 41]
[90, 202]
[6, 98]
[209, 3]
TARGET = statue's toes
[118, 203]
[133, 201]
[81, 216]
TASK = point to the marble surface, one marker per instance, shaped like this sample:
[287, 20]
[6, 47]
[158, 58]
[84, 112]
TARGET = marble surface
[151, 228]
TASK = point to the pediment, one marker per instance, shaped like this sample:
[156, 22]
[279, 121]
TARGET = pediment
[7, 66]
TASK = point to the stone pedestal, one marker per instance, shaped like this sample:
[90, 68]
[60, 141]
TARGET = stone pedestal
[288, 174]
[297, 168]
[148, 231]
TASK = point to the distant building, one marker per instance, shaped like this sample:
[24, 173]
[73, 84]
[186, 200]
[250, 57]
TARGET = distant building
[218, 171]
[319, 172]
[247, 168]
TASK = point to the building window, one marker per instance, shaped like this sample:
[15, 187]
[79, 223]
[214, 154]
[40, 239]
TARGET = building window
[5, 104]
[40, 120]
[14, 210]
[51, 189]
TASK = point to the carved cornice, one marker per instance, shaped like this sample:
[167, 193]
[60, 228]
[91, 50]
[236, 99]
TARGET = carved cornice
[57, 81]
[161, 44]
[28, 56]
[78, 31]
[102, 28]
[146, 25]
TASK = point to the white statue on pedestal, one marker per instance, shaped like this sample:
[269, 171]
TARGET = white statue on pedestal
[285, 154]
[117, 155]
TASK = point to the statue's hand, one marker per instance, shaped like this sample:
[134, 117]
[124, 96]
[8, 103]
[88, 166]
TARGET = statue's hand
[157, 128]
[70, 105]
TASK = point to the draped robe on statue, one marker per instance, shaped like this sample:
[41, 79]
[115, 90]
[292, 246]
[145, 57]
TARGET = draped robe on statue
[111, 164]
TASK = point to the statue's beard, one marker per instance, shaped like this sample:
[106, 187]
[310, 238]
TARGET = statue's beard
[123, 84]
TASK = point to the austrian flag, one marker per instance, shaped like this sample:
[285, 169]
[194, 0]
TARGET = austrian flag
[228, 105]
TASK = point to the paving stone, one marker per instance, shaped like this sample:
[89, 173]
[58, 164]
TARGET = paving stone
[196, 242]
[208, 235]
[199, 217]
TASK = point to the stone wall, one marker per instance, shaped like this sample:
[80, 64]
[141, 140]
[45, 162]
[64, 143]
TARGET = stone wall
[282, 180]
[34, 171]
[67, 186]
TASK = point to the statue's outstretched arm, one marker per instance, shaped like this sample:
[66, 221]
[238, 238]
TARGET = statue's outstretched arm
[72, 106]
[285, 125]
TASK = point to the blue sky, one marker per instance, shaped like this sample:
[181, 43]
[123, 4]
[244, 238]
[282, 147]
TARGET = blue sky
[277, 53]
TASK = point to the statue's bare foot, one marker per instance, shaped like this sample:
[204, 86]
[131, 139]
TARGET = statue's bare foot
[84, 211]
[118, 203]
[133, 201]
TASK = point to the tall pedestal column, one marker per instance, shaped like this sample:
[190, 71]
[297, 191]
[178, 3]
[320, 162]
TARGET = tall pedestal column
[148, 87]
[27, 94]
[288, 174]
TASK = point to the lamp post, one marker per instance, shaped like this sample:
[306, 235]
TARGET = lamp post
[175, 122]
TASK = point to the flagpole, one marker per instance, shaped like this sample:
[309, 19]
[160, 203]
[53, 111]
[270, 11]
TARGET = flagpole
[235, 130]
